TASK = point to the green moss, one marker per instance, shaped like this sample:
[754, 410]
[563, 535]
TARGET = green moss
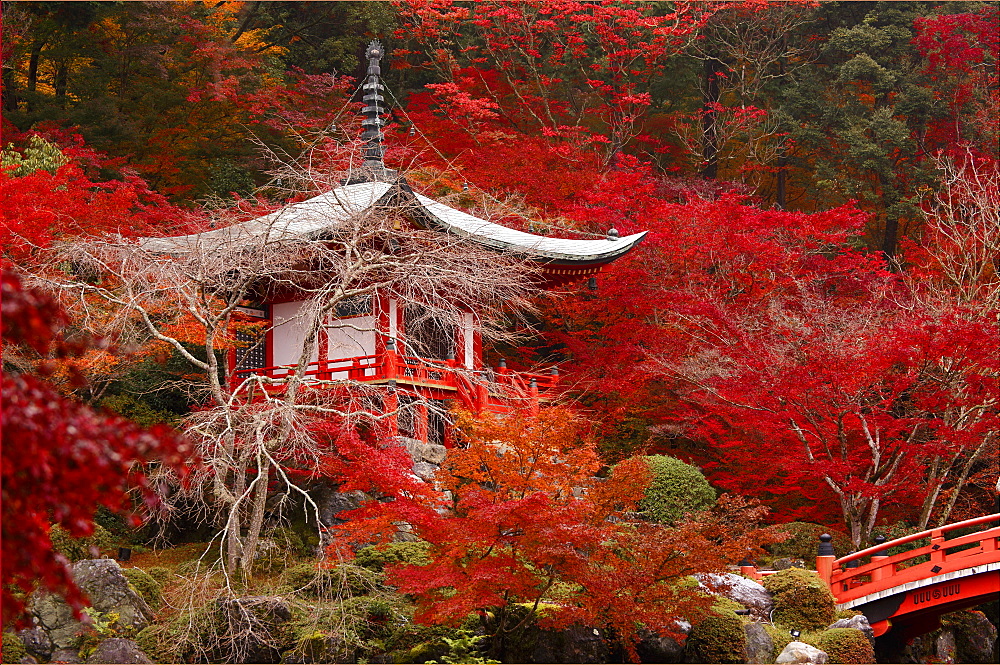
[377, 558]
[846, 645]
[145, 586]
[801, 600]
[718, 638]
[13, 649]
[676, 488]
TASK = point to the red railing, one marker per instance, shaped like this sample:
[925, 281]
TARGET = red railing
[474, 388]
[882, 572]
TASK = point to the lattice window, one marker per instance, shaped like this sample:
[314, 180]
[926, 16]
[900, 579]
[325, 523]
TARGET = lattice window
[251, 352]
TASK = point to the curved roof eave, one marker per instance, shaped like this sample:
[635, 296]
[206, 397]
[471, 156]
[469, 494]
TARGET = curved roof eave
[323, 214]
[554, 250]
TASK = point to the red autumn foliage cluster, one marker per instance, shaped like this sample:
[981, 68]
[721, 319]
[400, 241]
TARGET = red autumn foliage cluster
[61, 459]
[525, 518]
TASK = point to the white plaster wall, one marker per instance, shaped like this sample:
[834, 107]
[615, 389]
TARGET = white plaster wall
[468, 332]
[350, 337]
[289, 333]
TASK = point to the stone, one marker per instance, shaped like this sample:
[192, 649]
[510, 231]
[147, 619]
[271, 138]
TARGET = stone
[331, 503]
[425, 471]
[800, 652]
[653, 647]
[118, 650]
[574, 644]
[976, 638]
[945, 647]
[66, 656]
[760, 646]
[103, 582]
[859, 622]
[434, 453]
[36, 642]
[747, 593]
[28, 660]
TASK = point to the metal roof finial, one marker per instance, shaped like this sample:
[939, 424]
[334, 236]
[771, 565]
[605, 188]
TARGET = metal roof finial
[374, 107]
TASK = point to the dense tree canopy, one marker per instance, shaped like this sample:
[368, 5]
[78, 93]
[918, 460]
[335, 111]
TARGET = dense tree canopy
[818, 291]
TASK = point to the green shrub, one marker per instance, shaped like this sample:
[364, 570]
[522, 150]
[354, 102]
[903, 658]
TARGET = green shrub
[145, 586]
[718, 638]
[13, 649]
[77, 549]
[801, 599]
[378, 557]
[676, 488]
[846, 645]
[161, 575]
[341, 582]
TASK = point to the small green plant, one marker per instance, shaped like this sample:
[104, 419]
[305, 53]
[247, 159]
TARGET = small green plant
[88, 547]
[39, 155]
[676, 488]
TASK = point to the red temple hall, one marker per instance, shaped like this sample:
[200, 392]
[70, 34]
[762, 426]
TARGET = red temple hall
[370, 340]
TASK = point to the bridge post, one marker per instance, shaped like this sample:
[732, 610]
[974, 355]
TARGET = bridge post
[749, 569]
[937, 546]
[824, 559]
[880, 572]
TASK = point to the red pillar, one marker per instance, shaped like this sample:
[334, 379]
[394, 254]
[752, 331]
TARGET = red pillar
[824, 561]
[391, 402]
[420, 424]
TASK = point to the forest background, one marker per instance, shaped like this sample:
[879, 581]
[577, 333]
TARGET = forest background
[817, 299]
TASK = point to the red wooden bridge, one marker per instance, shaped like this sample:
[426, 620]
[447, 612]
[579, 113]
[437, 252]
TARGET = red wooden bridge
[908, 592]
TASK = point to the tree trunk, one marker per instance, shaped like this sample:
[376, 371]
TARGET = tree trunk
[256, 517]
[710, 134]
[62, 76]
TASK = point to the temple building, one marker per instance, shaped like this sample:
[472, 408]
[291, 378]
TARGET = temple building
[368, 340]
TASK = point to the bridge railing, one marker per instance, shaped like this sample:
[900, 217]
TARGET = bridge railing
[849, 577]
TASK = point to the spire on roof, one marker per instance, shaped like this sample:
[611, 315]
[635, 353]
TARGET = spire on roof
[373, 169]
[374, 106]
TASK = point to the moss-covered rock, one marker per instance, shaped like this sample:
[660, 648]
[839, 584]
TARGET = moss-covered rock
[846, 645]
[13, 649]
[145, 586]
[801, 599]
[378, 557]
[676, 488]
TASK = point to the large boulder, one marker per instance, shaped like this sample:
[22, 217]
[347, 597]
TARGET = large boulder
[575, 644]
[747, 593]
[800, 652]
[965, 637]
[654, 647]
[107, 588]
[420, 451]
[118, 650]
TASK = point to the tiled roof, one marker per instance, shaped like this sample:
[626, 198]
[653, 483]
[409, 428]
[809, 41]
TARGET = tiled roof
[328, 211]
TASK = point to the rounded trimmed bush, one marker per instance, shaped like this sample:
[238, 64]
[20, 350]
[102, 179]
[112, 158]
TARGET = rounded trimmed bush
[676, 488]
[801, 599]
[846, 645]
[145, 586]
[718, 638]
